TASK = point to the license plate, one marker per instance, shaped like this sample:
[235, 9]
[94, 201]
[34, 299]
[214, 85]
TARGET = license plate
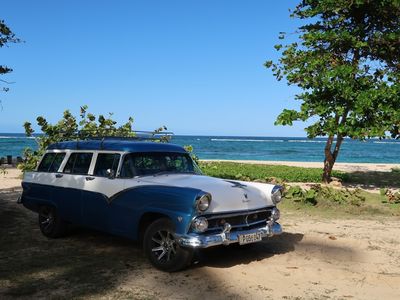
[249, 238]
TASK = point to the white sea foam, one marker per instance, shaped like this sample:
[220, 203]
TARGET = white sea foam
[16, 137]
[305, 141]
[246, 140]
[381, 142]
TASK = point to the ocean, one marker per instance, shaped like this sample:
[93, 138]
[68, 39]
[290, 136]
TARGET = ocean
[254, 148]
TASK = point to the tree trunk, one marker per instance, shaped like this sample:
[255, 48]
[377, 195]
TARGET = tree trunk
[328, 161]
[330, 157]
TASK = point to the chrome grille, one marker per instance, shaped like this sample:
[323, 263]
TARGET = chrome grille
[240, 220]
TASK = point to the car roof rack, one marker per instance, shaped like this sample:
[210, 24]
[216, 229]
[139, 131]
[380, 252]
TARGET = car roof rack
[108, 134]
[138, 135]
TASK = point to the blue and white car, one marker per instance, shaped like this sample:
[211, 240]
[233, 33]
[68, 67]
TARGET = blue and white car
[150, 192]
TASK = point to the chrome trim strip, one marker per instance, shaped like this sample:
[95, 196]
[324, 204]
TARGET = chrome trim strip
[226, 237]
[237, 226]
[246, 212]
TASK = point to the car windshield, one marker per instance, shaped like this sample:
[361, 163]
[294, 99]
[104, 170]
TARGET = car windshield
[157, 163]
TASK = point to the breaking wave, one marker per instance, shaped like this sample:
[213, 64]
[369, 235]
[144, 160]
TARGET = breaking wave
[246, 140]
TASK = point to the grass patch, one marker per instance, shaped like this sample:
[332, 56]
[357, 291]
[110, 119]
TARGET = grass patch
[375, 179]
[317, 201]
[265, 173]
[396, 170]
[338, 203]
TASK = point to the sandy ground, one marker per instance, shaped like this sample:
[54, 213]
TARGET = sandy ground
[313, 259]
[11, 179]
[347, 167]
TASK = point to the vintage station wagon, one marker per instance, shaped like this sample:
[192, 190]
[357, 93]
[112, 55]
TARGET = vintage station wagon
[147, 191]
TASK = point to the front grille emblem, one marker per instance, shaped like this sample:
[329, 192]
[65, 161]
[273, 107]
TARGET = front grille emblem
[246, 198]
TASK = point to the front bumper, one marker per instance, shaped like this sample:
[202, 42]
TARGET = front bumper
[225, 238]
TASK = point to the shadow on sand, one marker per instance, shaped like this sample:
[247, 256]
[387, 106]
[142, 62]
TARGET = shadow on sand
[225, 257]
[92, 264]
[373, 180]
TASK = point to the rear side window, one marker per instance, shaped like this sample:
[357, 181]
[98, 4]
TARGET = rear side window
[106, 161]
[51, 162]
[78, 163]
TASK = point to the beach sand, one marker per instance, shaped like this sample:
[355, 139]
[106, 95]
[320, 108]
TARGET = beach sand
[315, 258]
[11, 179]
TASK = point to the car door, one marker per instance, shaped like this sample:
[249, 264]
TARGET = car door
[70, 185]
[43, 182]
[99, 187]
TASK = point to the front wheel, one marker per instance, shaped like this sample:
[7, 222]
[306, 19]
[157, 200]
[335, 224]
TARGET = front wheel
[162, 248]
[50, 224]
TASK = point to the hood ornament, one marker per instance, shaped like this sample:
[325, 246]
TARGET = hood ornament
[241, 186]
[236, 184]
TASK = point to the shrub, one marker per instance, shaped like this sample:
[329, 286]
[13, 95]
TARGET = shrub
[319, 195]
[69, 128]
[395, 170]
[264, 173]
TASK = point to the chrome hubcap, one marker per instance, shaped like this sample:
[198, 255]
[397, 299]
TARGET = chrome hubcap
[163, 246]
[46, 219]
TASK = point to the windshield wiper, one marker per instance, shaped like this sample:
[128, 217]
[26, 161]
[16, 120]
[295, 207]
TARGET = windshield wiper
[173, 172]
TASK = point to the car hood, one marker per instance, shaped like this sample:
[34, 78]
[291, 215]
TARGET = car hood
[227, 195]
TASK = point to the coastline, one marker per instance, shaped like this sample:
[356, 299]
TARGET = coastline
[345, 167]
[12, 178]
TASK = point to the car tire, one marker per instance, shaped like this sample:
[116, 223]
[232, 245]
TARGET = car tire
[162, 248]
[50, 223]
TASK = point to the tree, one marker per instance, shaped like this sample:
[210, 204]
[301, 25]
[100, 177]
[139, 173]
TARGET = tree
[69, 128]
[346, 61]
[6, 37]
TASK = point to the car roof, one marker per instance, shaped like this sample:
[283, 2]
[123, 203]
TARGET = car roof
[117, 145]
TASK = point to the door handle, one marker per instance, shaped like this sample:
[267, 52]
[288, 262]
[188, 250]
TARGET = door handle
[59, 175]
[89, 178]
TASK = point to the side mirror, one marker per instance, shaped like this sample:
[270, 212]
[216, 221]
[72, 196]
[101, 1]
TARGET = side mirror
[110, 173]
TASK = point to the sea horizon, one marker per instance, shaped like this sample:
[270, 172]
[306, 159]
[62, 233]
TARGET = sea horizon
[258, 148]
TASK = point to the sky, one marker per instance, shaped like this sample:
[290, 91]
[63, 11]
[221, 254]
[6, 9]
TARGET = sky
[194, 66]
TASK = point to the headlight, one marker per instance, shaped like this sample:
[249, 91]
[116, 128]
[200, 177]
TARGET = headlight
[203, 202]
[200, 224]
[276, 194]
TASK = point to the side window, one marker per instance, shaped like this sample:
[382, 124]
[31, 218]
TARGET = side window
[57, 162]
[78, 163]
[106, 161]
[51, 162]
[127, 167]
[142, 164]
[178, 163]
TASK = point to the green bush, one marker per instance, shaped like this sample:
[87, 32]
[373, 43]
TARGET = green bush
[264, 173]
[324, 196]
[295, 193]
[69, 127]
[395, 170]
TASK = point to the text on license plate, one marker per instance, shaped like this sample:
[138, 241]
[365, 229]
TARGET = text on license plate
[249, 238]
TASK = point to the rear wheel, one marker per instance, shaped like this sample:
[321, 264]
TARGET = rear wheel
[162, 248]
[50, 224]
